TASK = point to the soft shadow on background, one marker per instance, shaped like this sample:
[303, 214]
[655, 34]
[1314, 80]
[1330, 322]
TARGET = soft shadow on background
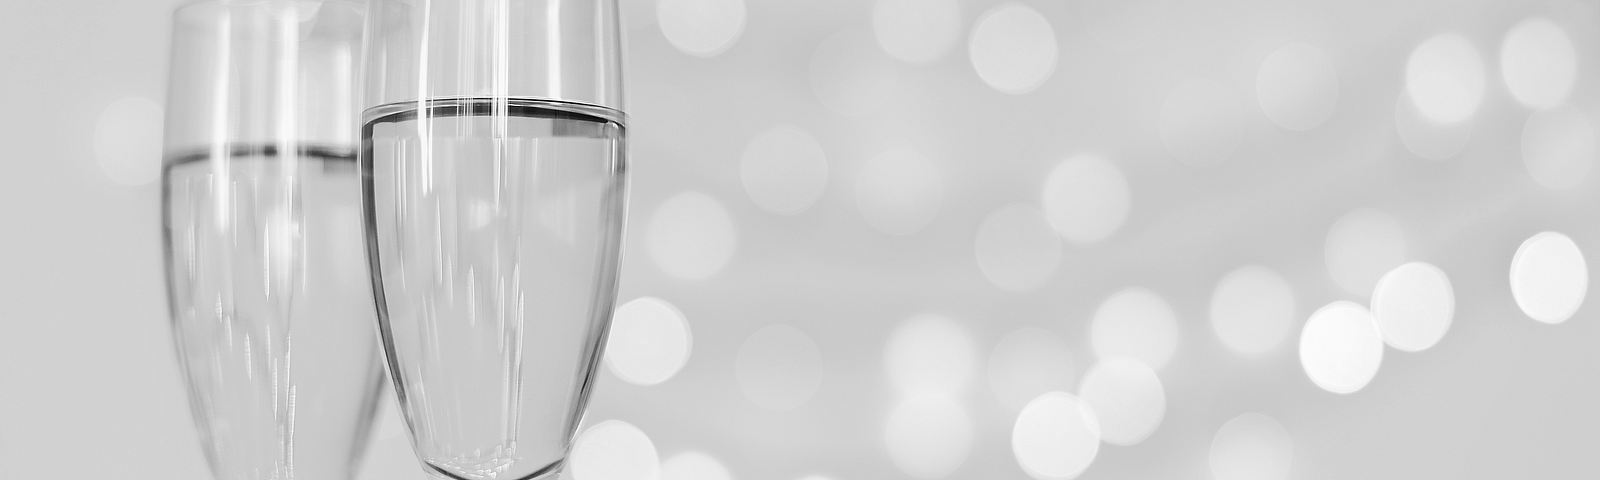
[868, 238]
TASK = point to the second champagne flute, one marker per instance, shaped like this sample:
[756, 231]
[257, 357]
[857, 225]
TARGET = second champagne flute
[493, 178]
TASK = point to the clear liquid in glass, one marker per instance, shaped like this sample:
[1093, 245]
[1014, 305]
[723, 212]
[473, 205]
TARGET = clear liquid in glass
[495, 232]
[272, 308]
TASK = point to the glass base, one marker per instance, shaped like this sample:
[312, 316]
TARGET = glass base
[549, 472]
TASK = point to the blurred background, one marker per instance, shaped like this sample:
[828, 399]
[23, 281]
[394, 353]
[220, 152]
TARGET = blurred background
[1233, 239]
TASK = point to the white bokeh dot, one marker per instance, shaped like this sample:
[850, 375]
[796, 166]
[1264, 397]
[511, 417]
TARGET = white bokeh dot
[1127, 399]
[1137, 323]
[1538, 62]
[899, 191]
[1027, 363]
[1558, 146]
[916, 31]
[127, 141]
[1013, 48]
[694, 466]
[691, 236]
[1362, 246]
[928, 436]
[929, 354]
[1124, 24]
[1426, 137]
[784, 170]
[1202, 123]
[779, 368]
[1414, 306]
[1251, 447]
[1297, 87]
[1444, 78]
[850, 75]
[703, 28]
[1549, 277]
[1252, 309]
[1086, 198]
[649, 341]
[1016, 248]
[614, 450]
[1056, 437]
[1341, 347]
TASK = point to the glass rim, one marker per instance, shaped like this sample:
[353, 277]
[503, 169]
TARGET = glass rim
[193, 5]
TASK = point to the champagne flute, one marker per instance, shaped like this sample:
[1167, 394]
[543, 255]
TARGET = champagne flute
[493, 176]
[271, 306]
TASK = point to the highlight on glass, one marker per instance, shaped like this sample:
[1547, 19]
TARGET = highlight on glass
[493, 165]
[267, 283]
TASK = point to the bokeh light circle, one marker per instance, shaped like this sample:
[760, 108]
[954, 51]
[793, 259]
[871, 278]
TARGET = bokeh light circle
[1137, 323]
[649, 341]
[1414, 306]
[1086, 198]
[1027, 363]
[1127, 399]
[127, 141]
[784, 170]
[1558, 146]
[1341, 347]
[850, 75]
[1016, 248]
[703, 28]
[899, 191]
[1549, 277]
[1252, 308]
[1202, 123]
[614, 450]
[929, 354]
[1538, 62]
[1297, 87]
[928, 436]
[1124, 24]
[779, 368]
[1251, 447]
[916, 31]
[1056, 437]
[1362, 246]
[1444, 78]
[694, 466]
[1013, 48]
[691, 236]
[1426, 137]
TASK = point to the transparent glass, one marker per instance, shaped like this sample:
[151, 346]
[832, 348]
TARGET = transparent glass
[272, 309]
[493, 163]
